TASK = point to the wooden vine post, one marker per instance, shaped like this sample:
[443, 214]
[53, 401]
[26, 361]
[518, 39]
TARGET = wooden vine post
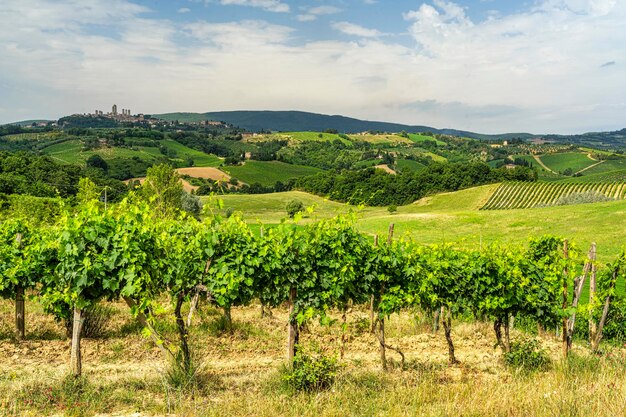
[20, 310]
[595, 331]
[565, 349]
[579, 282]
[372, 300]
[381, 320]
[75, 358]
[292, 333]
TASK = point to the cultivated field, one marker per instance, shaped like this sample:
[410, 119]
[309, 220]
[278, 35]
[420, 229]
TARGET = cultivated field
[268, 172]
[542, 194]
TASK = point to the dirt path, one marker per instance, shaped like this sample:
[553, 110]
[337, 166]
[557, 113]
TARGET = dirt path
[544, 166]
[589, 167]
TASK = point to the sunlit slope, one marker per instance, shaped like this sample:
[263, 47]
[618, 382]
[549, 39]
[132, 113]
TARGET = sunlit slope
[454, 217]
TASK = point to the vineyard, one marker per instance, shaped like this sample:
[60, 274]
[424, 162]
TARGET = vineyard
[519, 195]
[175, 296]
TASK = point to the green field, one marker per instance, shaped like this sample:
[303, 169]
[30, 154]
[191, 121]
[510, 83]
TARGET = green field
[417, 152]
[417, 138]
[267, 173]
[559, 162]
[408, 164]
[71, 152]
[200, 159]
[34, 136]
[455, 217]
[314, 136]
[607, 166]
[387, 140]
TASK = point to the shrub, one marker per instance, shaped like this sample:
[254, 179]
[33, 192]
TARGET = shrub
[191, 204]
[582, 198]
[527, 355]
[311, 372]
[294, 207]
[392, 209]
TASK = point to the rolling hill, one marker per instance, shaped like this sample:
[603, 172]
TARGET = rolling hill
[289, 121]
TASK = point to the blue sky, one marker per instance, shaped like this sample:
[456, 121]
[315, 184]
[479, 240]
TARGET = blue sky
[483, 65]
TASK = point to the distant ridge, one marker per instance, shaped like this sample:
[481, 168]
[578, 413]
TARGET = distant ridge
[25, 123]
[289, 121]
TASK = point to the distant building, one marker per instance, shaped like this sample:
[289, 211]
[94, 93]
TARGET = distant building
[114, 110]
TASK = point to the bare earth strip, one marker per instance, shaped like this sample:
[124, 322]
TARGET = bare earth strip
[544, 166]
[590, 166]
[204, 172]
[386, 168]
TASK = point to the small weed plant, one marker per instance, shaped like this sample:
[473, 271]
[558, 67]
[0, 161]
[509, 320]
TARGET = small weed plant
[527, 355]
[311, 372]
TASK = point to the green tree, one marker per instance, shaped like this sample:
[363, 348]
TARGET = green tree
[293, 207]
[163, 190]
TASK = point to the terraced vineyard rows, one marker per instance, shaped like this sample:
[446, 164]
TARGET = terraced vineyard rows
[517, 195]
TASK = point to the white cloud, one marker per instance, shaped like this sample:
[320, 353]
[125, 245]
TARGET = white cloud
[270, 5]
[184, 10]
[324, 10]
[558, 66]
[356, 30]
[312, 13]
[306, 17]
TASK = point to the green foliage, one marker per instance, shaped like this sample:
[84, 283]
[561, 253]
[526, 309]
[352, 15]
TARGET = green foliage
[375, 187]
[293, 207]
[311, 372]
[392, 208]
[527, 355]
[191, 204]
[20, 266]
[163, 190]
[582, 198]
[87, 191]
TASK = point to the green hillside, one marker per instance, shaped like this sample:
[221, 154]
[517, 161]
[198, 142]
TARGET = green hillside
[292, 121]
[455, 217]
[71, 152]
[200, 159]
[559, 162]
[267, 173]
[408, 164]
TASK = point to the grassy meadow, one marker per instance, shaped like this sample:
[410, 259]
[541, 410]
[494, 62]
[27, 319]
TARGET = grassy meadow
[71, 152]
[559, 162]
[268, 172]
[455, 218]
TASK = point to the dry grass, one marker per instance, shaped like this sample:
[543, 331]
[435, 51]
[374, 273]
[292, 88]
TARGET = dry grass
[124, 373]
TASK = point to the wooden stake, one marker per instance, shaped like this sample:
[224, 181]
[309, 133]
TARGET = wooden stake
[390, 235]
[20, 309]
[372, 321]
[579, 282]
[595, 343]
[292, 332]
[564, 349]
[75, 358]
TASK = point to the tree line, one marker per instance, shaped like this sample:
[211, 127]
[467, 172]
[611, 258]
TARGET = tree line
[374, 187]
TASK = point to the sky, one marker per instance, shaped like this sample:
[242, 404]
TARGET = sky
[489, 66]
